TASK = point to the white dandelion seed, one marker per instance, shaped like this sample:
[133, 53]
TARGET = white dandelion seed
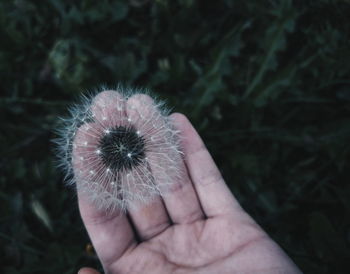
[130, 153]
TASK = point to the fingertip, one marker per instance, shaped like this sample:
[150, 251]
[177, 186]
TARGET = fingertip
[178, 118]
[105, 96]
[140, 99]
[139, 106]
[189, 137]
[144, 114]
[181, 123]
[179, 115]
[106, 106]
[88, 270]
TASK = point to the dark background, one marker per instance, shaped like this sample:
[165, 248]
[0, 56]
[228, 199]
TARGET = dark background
[266, 83]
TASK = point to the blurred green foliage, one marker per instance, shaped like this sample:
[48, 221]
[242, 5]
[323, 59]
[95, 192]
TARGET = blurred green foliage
[267, 84]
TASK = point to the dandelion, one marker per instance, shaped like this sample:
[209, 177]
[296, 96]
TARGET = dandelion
[120, 149]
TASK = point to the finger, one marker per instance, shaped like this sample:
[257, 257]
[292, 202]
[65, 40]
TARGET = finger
[88, 270]
[165, 162]
[150, 218]
[108, 109]
[85, 158]
[145, 207]
[110, 231]
[214, 195]
[181, 201]
[90, 173]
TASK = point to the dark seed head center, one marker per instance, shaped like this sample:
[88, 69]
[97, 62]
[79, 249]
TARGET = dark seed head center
[122, 148]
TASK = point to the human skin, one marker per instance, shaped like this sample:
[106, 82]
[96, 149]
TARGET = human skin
[197, 227]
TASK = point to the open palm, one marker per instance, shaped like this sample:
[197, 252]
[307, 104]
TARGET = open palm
[198, 227]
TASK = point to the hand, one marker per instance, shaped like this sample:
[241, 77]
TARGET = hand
[198, 227]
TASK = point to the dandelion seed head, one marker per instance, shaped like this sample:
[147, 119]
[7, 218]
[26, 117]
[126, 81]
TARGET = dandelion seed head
[116, 146]
[119, 148]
